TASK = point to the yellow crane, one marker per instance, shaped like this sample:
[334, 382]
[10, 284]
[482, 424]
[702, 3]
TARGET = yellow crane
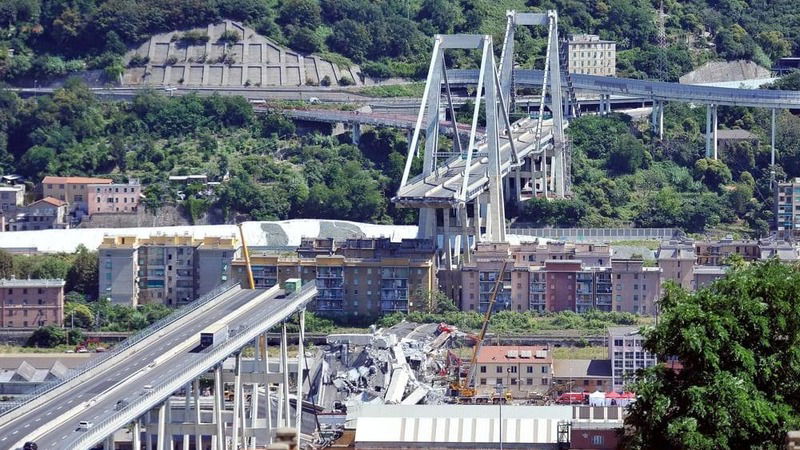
[465, 387]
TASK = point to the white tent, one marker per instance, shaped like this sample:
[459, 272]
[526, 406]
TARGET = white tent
[597, 398]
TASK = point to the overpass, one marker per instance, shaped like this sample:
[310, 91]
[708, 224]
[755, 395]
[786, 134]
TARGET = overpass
[122, 388]
[357, 118]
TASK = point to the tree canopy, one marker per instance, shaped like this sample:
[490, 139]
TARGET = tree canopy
[738, 342]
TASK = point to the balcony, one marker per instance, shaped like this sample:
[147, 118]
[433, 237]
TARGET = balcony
[328, 305]
[394, 284]
[330, 295]
[329, 283]
[394, 295]
[394, 306]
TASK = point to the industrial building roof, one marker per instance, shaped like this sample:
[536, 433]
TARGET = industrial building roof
[582, 368]
[11, 283]
[274, 235]
[465, 424]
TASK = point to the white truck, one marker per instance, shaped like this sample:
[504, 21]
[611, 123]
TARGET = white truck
[213, 335]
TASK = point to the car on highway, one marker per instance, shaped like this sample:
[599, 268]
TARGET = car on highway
[121, 404]
[147, 388]
[85, 425]
[30, 446]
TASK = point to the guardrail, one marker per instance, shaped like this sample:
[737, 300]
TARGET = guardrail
[121, 347]
[139, 406]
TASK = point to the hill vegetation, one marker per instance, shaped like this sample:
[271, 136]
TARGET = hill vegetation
[50, 38]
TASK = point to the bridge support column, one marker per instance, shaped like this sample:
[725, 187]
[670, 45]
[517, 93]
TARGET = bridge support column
[218, 404]
[162, 427]
[136, 438]
[715, 126]
[448, 248]
[149, 430]
[301, 366]
[708, 131]
[237, 399]
[661, 120]
[465, 247]
[267, 392]
[476, 218]
[198, 438]
[772, 150]
[109, 445]
[356, 133]
[287, 422]
[254, 413]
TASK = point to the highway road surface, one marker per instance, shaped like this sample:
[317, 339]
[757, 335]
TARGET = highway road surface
[93, 408]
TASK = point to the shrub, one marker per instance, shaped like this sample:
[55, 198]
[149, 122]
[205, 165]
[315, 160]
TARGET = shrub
[229, 37]
[346, 81]
[195, 37]
[138, 60]
[325, 81]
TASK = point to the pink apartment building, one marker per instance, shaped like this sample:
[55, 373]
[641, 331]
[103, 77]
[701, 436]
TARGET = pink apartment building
[31, 303]
[114, 198]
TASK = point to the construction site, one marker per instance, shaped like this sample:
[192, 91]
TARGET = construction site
[439, 377]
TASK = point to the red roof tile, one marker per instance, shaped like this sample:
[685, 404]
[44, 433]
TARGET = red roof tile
[50, 200]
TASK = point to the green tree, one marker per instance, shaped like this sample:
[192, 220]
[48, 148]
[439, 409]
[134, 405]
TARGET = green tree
[48, 336]
[6, 265]
[713, 173]
[737, 342]
[78, 314]
[626, 156]
[82, 275]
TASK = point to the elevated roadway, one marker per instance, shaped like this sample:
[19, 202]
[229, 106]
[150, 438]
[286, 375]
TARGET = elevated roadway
[403, 121]
[657, 90]
[167, 363]
[442, 188]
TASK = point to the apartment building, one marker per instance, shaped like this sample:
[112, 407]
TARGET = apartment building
[588, 54]
[787, 209]
[627, 354]
[31, 303]
[166, 269]
[539, 277]
[114, 197]
[715, 253]
[676, 259]
[636, 288]
[356, 277]
[526, 371]
[705, 275]
[11, 197]
[46, 214]
[73, 190]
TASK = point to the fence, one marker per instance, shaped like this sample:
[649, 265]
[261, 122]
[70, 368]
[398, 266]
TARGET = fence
[121, 347]
[598, 234]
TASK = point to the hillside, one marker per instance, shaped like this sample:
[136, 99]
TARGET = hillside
[43, 39]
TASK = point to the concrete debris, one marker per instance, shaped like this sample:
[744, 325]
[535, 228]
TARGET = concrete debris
[403, 364]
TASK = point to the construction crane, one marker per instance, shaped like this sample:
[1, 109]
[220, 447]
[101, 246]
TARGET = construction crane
[465, 387]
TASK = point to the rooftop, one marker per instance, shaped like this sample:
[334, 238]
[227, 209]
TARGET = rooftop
[623, 331]
[497, 354]
[582, 368]
[75, 180]
[31, 283]
[49, 200]
[710, 270]
[462, 424]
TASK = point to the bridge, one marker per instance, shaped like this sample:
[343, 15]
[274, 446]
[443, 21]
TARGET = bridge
[461, 191]
[357, 118]
[138, 379]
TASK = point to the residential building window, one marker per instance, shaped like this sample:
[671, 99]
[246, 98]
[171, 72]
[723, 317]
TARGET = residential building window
[597, 439]
[544, 369]
[483, 369]
[545, 381]
[499, 369]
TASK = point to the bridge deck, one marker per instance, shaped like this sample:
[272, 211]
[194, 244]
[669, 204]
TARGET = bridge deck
[441, 189]
[760, 98]
[125, 380]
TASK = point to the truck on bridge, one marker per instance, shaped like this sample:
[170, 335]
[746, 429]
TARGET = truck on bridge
[213, 335]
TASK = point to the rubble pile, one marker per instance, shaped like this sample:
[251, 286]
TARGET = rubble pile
[404, 364]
